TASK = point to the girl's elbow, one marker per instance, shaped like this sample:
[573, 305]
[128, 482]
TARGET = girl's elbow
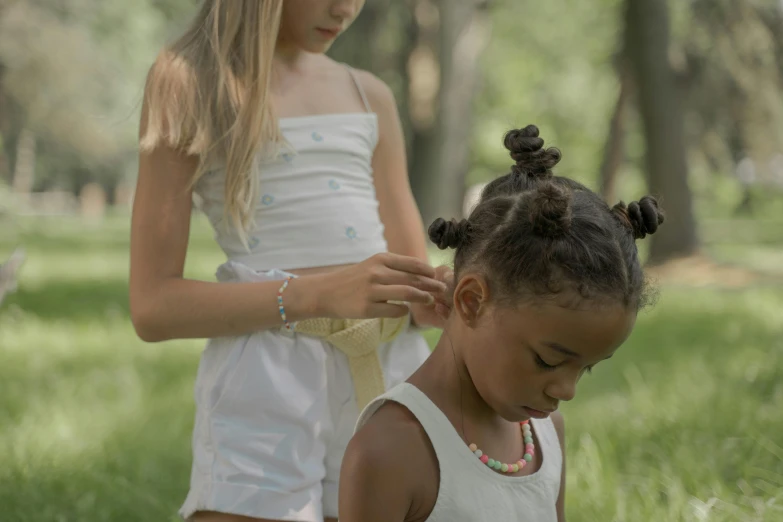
[143, 318]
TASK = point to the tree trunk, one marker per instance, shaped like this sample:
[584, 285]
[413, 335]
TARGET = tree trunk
[615, 140]
[5, 161]
[422, 72]
[445, 74]
[660, 106]
[24, 170]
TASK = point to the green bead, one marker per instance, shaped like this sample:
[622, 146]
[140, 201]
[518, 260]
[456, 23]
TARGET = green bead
[504, 468]
[528, 457]
[497, 464]
[491, 463]
[528, 439]
[515, 468]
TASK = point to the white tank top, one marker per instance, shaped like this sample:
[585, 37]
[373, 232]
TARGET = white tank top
[469, 491]
[317, 203]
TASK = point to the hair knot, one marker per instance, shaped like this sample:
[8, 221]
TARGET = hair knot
[642, 217]
[449, 234]
[550, 211]
[527, 149]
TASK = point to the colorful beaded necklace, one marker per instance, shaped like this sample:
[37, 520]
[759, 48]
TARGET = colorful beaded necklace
[530, 450]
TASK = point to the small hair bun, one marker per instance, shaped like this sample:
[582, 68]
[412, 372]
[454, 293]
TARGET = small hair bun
[550, 211]
[643, 216]
[449, 234]
[527, 149]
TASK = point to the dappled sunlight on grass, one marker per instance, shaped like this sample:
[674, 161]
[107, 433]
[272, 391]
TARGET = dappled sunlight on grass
[678, 416]
[684, 423]
[93, 421]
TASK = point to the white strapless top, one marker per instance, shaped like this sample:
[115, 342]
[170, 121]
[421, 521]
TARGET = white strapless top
[317, 203]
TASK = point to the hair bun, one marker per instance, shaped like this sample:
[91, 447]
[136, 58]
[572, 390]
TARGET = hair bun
[527, 149]
[550, 211]
[643, 216]
[449, 234]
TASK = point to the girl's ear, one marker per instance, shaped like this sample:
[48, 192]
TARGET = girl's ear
[471, 296]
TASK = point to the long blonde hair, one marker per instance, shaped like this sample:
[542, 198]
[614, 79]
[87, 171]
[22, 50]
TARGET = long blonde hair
[208, 94]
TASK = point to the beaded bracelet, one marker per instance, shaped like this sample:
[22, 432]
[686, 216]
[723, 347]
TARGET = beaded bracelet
[280, 306]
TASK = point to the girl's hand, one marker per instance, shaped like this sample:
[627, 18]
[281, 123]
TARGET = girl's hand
[365, 290]
[437, 313]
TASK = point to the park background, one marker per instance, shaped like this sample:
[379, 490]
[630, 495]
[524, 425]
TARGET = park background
[683, 99]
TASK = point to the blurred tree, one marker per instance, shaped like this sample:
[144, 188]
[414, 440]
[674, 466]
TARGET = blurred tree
[71, 74]
[445, 66]
[647, 28]
[548, 64]
[614, 150]
[734, 71]
[428, 51]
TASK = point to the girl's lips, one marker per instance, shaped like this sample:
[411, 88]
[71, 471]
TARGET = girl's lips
[538, 414]
[328, 33]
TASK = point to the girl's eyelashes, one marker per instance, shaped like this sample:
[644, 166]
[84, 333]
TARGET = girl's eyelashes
[543, 364]
[549, 367]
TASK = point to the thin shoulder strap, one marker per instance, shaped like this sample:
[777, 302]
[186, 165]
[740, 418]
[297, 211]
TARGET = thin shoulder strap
[359, 88]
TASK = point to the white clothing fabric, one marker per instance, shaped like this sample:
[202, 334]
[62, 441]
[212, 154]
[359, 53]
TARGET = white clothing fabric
[469, 491]
[274, 414]
[275, 410]
[317, 205]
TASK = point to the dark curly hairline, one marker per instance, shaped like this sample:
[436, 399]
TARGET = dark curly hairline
[556, 215]
[569, 295]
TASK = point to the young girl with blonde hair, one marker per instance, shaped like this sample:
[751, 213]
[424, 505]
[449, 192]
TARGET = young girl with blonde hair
[300, 164]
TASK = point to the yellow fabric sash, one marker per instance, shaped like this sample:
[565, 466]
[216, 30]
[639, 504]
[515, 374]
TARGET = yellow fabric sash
[359, 340]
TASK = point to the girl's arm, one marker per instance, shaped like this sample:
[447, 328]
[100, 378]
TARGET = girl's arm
[378, 481]
[557, 420]
[401, 218]
[164, 305]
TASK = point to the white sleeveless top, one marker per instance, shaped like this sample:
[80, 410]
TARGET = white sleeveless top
[469, 491]
[317, 203]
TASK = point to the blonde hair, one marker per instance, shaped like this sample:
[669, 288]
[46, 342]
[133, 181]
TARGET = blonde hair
[208, 94]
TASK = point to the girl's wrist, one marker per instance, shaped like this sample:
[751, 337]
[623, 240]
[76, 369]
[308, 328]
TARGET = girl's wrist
[300, 299]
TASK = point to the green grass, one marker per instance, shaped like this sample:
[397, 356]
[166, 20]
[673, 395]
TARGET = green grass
[685, 423]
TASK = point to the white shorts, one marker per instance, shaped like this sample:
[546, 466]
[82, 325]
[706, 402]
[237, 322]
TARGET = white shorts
[274, 414]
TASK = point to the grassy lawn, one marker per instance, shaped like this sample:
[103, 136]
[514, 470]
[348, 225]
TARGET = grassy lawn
[685, 423]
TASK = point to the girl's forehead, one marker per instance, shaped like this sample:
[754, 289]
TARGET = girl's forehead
[586, 333]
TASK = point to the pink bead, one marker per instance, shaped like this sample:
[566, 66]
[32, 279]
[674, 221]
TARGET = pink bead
[530, 448]
[484, 459]
[525, 422]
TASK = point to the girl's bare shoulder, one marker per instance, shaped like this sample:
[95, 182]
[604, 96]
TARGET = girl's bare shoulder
[392, 453]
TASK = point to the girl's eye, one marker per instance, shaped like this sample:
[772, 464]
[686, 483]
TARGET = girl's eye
[586, 369]
[543, 365]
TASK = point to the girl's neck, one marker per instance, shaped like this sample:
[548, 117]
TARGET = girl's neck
[289, 56]
[445, 379]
